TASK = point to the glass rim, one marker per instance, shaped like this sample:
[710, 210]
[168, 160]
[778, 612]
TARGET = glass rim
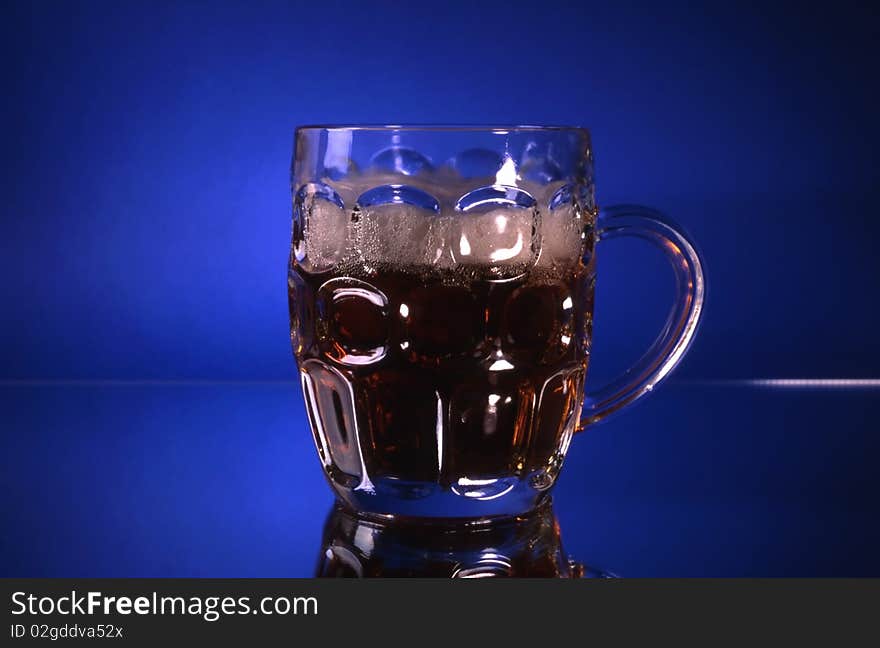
[500, 129]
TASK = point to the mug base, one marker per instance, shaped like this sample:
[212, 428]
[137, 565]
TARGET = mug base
[473, 501]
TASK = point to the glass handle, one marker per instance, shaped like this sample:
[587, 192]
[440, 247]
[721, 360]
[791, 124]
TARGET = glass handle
[678, 332]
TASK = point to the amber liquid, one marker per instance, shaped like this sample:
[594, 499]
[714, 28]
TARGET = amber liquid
[416, 380]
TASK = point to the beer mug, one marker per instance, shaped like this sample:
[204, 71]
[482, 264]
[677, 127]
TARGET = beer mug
[441, 287]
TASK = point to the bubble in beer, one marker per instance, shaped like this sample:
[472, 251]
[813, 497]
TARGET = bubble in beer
[320, 227]
[563, 232]
[395, 223]
[497, 229]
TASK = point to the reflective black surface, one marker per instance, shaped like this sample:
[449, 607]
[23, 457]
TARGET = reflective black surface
[221, 480]
[526, 546]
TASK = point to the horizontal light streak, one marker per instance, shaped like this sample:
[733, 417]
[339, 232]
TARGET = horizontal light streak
[818, 383]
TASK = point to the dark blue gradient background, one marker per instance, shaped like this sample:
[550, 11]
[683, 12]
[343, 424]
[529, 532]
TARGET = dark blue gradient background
[145, 231]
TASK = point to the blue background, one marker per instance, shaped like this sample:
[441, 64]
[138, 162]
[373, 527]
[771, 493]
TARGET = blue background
[145, 233]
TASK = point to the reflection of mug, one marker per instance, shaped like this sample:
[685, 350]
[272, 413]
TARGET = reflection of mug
[441, 315]
[526, 546]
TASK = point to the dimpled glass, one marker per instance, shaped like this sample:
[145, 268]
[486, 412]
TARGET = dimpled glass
[441, 287]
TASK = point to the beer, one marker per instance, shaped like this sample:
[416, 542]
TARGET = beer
[443, 382]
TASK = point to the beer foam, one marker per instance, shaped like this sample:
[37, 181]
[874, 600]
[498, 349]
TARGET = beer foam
[498, 240]
[398, 233]
[562, 236]
[326, 234]
[506, 239]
